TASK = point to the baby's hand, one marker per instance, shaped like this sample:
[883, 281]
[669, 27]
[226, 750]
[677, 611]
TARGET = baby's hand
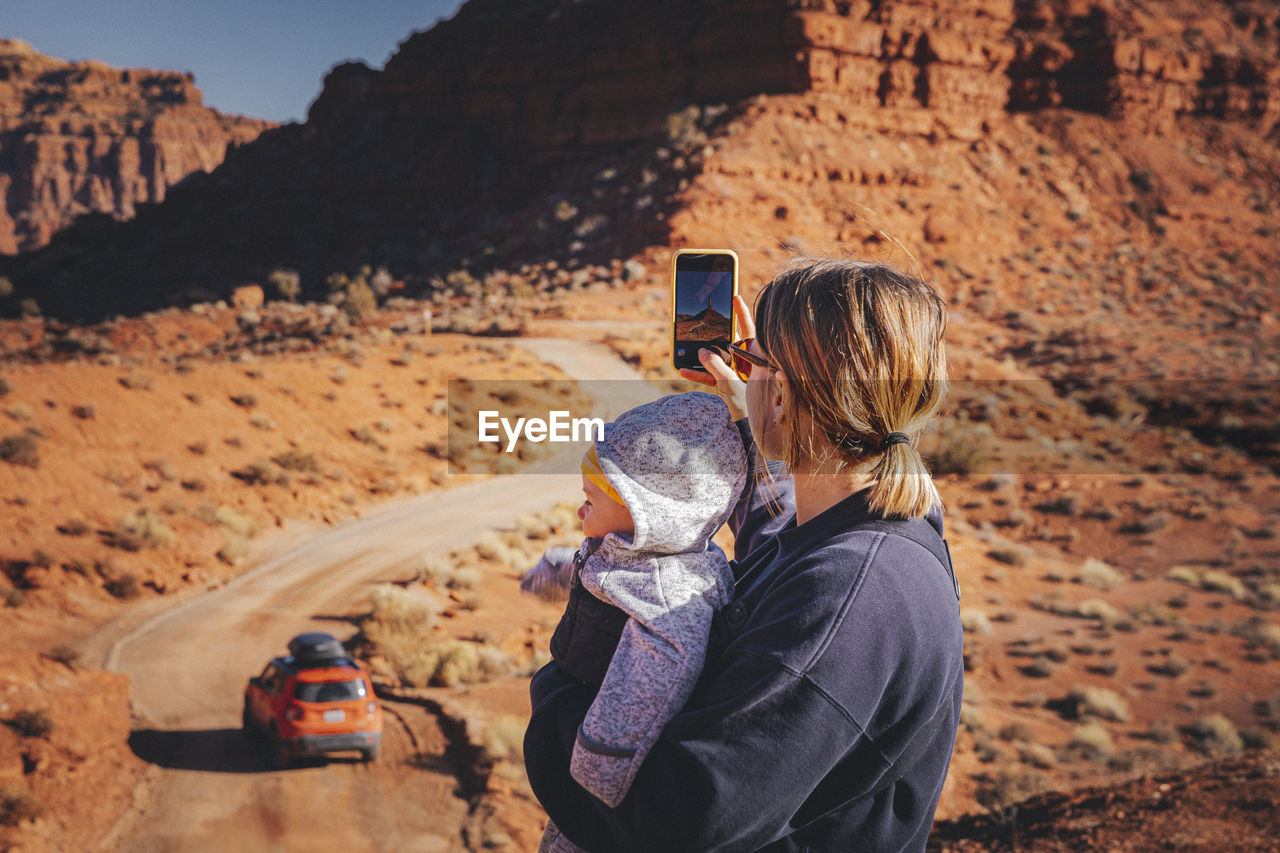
[550, 578]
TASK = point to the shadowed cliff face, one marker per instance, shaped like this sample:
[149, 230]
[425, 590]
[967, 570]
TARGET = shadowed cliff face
[563, 130]
[82, 137]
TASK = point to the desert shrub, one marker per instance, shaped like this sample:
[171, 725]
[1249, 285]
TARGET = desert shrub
[35, 723]
[262, 421]
[449, 663]
[1016, 731]
[532, 526]
[1216, 580]
[1040, 667]
[1154, 613]
[164, 468]
[491, 547]
[1256, 738]
[400, 611]
[1216, 735]
[142, 529]
[1162, 731]
[303, 463]
[359, 301]
[1091, 740]
[244, 401]
[1037, 755]
[84, 412]
[20, 449]
[956, 448]
[234, 548]
[74, 527]
[14, 597]
[446, 574]
[4, 385]
[1099, 702]
[970, 717]
[261, 472]
[17, 805]
[1096, 608]
[398, 630]
[65, 655]
[1011, 555]
[123, 586]
[1097, 573]
[975, 654]
[974, 621]
[136, 381]
[1184, 574]
[504, 738]
[288, 284]
[1062, 505]
[20, 412]
[1107, 668]
[1057, 653]
[1172, 666]
[1010, 786]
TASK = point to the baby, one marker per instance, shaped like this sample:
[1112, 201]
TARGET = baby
[646, 581]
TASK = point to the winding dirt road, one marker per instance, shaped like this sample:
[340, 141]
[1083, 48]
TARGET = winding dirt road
[208, 789]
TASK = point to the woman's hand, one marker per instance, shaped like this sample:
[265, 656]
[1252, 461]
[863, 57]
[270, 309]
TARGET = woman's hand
[720, 376]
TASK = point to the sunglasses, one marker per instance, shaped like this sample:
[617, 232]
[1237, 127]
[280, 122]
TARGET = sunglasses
[743, 359]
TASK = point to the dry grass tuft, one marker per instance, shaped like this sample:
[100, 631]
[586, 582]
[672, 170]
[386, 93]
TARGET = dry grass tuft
[1099, 702]
[142, 529]
[1097, 573]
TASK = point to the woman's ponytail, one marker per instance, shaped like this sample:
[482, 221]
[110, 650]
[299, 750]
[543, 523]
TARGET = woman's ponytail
[903, 487]
[861, 345]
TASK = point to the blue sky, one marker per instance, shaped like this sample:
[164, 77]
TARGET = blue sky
[260, 58]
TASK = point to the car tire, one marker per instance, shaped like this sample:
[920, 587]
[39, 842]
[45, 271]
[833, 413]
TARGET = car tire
[371, 754]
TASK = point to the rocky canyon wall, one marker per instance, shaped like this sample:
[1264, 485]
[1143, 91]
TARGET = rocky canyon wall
[553, 76]
[519, 131]
[81, 137]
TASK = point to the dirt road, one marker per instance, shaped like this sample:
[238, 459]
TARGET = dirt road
[208, 789]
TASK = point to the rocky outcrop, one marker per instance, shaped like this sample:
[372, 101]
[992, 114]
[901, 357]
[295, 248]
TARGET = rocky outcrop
[81, 137]
[546, 129]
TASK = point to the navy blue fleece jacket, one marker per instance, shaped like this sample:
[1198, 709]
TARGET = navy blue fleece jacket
[848, 647]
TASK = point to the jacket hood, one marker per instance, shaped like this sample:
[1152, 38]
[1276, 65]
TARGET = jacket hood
[679, 465]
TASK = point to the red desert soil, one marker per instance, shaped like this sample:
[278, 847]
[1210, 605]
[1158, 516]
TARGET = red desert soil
[201, 626]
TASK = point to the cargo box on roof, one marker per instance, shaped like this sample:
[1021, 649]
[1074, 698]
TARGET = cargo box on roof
[315, 647]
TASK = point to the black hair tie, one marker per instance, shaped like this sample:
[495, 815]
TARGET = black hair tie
[894, 438]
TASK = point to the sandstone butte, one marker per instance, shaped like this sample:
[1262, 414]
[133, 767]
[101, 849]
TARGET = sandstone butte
[81, 137]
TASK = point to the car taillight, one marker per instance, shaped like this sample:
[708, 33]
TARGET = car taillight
[372, 708]
[293, 713]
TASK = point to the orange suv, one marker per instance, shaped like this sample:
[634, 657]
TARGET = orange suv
[313, 701]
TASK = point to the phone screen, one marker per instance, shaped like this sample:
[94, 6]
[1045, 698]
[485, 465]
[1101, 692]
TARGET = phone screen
[703, 285]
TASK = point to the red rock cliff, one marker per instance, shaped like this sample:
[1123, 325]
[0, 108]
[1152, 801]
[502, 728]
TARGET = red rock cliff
[548, 128]
[79, 137]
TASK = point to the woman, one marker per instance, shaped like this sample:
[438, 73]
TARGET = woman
[828, 704]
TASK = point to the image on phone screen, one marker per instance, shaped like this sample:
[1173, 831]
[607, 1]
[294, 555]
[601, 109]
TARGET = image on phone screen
[704, 288]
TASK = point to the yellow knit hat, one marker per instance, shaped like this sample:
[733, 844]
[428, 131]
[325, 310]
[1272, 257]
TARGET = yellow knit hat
[593, 472]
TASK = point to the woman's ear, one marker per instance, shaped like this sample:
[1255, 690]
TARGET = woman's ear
[779, 396]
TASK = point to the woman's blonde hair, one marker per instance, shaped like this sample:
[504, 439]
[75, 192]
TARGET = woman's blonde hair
[861, 345]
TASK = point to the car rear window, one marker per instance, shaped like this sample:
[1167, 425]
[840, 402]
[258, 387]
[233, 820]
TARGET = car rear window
[330, 691]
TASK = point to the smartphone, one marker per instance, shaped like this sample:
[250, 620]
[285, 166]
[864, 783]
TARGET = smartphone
[703, 284]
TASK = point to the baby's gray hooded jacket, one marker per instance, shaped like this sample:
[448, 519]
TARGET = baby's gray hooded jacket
[680, 466]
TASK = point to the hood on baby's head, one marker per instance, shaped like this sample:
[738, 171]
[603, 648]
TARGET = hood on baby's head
[679, 465]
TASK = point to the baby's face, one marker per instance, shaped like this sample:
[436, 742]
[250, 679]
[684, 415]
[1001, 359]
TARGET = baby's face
[601, 514]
